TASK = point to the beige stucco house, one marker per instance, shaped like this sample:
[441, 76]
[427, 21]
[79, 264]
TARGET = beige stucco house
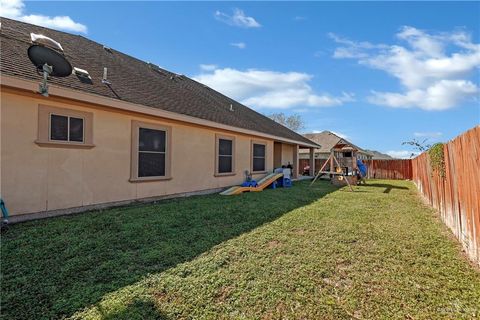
[144, 134]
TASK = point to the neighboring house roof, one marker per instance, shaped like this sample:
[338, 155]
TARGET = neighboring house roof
[132, 80]
[379, 156]
[328, 140]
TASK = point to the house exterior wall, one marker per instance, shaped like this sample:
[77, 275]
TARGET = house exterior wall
[277, 154]
[318, 155]
[287, 154]
[38, 178]
[283, 154]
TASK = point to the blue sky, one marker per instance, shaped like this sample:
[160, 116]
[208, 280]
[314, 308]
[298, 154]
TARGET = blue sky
[379, 73]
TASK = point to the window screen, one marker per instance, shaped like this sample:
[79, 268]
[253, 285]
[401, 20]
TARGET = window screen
[225, 156]
[64, 128]
[151, 152]
[258, 157]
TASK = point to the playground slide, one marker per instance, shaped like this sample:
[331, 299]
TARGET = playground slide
[262, 184]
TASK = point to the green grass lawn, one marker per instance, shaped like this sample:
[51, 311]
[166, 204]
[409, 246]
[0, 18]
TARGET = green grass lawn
[300, 253]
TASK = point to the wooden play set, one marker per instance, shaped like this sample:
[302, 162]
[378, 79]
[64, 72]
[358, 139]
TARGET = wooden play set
[341, 166]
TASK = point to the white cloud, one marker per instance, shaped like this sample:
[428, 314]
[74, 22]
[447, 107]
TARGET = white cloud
[402, 154]
[239, 45]
[269, 89]
[432, 78]
[238, 19]
[422, 42]
[208, 67]
[352, 49]
[14, 9]
[441, 95]
[432, 135]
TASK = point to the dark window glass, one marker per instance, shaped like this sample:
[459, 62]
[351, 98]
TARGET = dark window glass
[225, 147]
[258, 164]
[76, 129]
[258, 157]
[224, 164]
[58, 127]
[152, 148]
[347, 154]
[151, 140]
[151, 164]
[259, 150]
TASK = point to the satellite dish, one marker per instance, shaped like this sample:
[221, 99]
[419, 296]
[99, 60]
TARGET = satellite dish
[47, 56]
[40, 55]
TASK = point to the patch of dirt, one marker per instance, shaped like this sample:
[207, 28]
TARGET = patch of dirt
[299, 231]
[224, 293]
[273, 244]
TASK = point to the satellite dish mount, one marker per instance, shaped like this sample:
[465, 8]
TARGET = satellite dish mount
[43, 86]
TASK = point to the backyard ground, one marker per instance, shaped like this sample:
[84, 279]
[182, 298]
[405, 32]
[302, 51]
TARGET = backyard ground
[301, 253]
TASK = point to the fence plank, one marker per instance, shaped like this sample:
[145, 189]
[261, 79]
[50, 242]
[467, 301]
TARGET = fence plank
[389, 169]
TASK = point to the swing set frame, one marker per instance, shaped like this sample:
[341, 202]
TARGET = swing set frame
[333, 160]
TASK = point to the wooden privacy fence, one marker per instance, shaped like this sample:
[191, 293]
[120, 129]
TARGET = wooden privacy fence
[456, 195]
[302, 163]
[389, 169]
[377, 169]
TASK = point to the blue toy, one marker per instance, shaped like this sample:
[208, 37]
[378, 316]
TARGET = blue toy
[287, 182]
[362, 167]
[250, 183]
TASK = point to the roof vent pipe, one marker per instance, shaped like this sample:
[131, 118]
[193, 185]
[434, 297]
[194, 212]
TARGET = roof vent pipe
[105, 74]
[231, 107]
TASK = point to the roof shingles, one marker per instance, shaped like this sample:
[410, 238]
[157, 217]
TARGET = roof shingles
[328, 140]
[132, 80]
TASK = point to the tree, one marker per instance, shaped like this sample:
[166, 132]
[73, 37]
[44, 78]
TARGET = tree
[294, 122]
[421, 146]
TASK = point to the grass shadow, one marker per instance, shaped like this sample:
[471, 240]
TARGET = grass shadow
[388, 187]
[55, 267]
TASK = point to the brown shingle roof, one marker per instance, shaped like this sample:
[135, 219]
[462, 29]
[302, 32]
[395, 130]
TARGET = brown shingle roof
[328, 140]
[132, 80]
